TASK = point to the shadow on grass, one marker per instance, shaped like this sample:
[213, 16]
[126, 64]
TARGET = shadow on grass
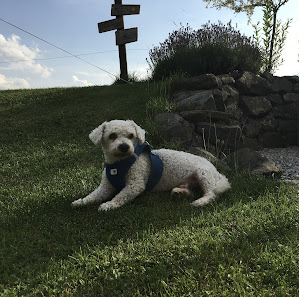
[48, 241]
[36, 235]
[241, 264]
[48, 229]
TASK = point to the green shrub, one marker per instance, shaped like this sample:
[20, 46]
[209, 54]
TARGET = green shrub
[216, 48]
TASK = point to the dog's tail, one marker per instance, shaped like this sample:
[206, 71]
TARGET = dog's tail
[222, 185]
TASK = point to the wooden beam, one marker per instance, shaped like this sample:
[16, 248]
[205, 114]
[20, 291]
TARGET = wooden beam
[118, 9]
[126, 36]
[122, 50]
[113, 24]
[122, 54]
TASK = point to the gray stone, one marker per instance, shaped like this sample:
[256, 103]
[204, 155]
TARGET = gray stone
[218, 134]
[219, 97]
[291, 97]
[293, 78]
[272, 140]
[255, 106]
[195, 116]
[236, 74]
[251, 142]
[287, 159]
[253, 128]
[269, 123]
[232, 109]
[203, 153]
[249, 160]
[281, 84]
[250, 84]
[227, 79]
[231, 102]
[268, 120]
[203, 82]
[212, 158]
[275, 99]
[268, 76]
[287, 126]
[175, 128]
[190, 100]
[291, 139]
[236, 112]
[286, 111]
[232, 95]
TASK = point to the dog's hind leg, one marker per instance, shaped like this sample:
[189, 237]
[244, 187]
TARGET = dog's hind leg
[206, 181]
[180, 191]
[205, 199]
[185, 188]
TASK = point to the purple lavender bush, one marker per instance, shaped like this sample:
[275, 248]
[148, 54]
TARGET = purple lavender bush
[215, 48]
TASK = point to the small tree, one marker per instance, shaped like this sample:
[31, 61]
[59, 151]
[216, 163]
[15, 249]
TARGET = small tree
[214, 48]
[273, 29]
[272, 40]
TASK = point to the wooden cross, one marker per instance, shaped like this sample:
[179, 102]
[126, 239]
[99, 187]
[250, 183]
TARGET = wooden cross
[122, 35]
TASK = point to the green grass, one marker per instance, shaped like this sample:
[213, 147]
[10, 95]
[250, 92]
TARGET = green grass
[243, 244]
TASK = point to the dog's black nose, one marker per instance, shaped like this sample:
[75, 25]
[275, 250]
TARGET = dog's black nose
[123, 147]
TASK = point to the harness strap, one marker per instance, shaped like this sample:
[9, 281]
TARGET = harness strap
[156, 171]
[117, 171]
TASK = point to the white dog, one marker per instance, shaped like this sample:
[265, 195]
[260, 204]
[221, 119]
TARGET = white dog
[131, 168]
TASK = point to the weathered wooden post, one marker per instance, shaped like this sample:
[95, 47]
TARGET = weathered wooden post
[122, 35]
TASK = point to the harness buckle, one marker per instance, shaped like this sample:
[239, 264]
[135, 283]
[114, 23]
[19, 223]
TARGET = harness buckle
[113, 171]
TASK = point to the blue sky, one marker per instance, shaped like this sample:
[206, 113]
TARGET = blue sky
[72, 25]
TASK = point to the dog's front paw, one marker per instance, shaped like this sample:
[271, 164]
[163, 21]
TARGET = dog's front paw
[77, 203]
[108, 206]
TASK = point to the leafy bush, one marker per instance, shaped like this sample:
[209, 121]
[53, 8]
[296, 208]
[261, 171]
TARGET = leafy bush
[215, 48]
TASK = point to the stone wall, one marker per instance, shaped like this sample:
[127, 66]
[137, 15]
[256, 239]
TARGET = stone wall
[235, 110]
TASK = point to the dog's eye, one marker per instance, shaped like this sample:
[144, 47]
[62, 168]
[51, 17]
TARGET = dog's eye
[112, 136]
[131, 136]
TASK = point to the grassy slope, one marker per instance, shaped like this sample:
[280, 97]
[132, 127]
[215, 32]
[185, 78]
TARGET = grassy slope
[244, 244]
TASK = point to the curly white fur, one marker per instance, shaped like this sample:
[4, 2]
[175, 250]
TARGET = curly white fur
[182, 171]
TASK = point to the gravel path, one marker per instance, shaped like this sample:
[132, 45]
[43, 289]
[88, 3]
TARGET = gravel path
[287, 159]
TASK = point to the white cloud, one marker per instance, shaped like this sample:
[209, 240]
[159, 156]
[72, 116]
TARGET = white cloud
[12, 83]
[11, 49]
[83, 73]
[80, 82]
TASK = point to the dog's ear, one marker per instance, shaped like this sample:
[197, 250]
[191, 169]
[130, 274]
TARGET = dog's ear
[139, 132]
[96, 135]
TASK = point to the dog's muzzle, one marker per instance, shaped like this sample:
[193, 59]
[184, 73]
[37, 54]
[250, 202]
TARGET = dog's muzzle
[124, 148]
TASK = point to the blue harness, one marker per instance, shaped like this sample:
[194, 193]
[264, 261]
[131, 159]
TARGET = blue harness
[117, 171]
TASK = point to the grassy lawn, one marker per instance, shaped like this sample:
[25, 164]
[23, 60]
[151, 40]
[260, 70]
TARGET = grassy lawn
[243, 244]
